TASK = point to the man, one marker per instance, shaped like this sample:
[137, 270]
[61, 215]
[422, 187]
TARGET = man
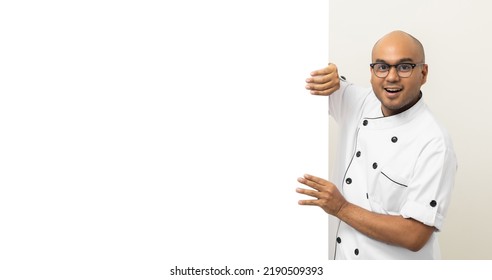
[396, 164]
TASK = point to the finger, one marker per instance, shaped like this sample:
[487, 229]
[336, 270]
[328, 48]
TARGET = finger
[310, 202]
[322, 79]
[327, 70]
[317, 180]
[325, 86]
[310, 183]
[323, 92]
[311, 193]
[323, 89]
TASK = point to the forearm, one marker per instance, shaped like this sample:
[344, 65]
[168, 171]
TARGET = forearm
[395, 230]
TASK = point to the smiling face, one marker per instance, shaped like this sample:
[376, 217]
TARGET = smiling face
[397, 94]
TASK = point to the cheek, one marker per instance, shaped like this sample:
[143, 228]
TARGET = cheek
[423, 80]
[376, 84]
[414, 85]
[373, 81]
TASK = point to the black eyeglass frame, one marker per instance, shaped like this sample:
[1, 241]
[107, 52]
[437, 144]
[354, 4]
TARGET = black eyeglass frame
[413, 65]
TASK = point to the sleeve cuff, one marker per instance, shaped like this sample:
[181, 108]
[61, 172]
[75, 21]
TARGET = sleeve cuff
[423, 213]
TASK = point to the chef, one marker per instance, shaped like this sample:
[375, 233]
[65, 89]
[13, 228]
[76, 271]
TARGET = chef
[395, 165]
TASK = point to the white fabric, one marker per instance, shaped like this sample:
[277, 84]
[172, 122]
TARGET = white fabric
[398, 165]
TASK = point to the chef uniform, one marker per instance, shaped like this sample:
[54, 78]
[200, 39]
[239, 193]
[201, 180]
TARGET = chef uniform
[398, 165]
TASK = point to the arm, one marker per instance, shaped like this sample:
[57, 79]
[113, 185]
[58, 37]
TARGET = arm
[324, 81]
[396, 230]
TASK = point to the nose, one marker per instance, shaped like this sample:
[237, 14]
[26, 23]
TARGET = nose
[392, 74]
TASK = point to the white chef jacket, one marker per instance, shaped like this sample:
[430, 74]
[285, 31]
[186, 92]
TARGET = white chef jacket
[398, 165]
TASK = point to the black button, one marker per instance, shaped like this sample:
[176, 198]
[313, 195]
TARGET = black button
[365, 122]
[356, 252]
[433, 203]
[367, 195]
[357, 154]
[343, 78]
[339, 240]
[375, 165]
[348, 181]
[394, 139]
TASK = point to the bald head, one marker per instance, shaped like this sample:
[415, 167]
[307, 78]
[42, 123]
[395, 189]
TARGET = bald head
[399, 39]
[398, 88]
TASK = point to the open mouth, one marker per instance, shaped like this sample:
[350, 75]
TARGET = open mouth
[392, 90]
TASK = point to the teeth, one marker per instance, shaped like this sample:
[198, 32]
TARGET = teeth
[392, 90]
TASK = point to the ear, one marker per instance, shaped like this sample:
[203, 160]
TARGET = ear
[424, 72]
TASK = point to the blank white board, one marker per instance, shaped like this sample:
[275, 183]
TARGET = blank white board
[137, 136]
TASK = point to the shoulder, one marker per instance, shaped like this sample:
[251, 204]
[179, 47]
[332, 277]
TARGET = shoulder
[348, 100]
[432, 128]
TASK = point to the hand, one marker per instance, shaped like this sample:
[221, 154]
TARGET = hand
[328, 197]
[324, 81]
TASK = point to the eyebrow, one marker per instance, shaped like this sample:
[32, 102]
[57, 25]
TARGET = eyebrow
[403, 60]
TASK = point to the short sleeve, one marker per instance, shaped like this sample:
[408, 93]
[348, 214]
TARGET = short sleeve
[347, 99]
[429, 192]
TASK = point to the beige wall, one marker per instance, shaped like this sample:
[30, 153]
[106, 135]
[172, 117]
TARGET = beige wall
[457, 40]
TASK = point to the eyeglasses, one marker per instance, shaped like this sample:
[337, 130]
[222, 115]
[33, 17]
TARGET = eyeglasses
[404, 70]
